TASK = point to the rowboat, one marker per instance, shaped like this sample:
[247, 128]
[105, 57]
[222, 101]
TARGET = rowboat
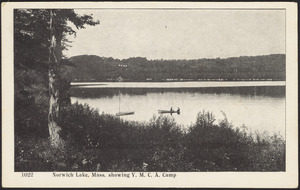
[169, 111]
[124, 113]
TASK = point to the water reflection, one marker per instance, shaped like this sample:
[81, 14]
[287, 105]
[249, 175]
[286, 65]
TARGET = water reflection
[272, 91]
[258, 108]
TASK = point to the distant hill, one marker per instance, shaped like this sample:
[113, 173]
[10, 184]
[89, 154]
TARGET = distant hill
[95, 68]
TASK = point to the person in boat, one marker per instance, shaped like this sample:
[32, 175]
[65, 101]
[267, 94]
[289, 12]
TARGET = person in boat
[171, 109]
[178, 110]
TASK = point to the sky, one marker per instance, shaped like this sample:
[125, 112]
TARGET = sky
[180, 34]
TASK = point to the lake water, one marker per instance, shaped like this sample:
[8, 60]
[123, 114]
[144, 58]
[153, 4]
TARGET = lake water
[258, 105]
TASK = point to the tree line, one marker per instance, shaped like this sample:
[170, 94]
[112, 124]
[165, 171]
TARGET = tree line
[96, 68]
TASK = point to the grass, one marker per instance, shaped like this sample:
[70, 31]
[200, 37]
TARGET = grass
[101, 142]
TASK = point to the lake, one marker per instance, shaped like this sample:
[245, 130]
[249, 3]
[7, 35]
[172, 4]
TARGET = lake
[259, 105]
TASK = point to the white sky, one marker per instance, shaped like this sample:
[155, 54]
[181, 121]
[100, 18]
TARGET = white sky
[181, 34]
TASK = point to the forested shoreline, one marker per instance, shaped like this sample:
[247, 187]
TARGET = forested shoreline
[51, 134]
[95, 68]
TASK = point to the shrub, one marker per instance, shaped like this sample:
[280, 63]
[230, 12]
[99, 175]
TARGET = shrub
[162, 138]
[222, 147]
[32, 102]
[100, 142]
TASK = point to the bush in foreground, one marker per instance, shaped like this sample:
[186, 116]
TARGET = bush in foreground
[101, 142]
[222, 147]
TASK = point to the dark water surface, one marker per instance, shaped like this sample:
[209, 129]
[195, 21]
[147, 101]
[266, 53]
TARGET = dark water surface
[260, 108]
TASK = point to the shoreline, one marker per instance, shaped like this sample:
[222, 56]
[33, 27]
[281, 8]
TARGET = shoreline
[190, 84]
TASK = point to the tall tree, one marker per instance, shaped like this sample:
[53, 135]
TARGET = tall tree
[40, 38]
[53, 115]
[58, 30]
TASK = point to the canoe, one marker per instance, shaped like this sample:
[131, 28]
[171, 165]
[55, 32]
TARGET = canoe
[124, 113]
[168, 111]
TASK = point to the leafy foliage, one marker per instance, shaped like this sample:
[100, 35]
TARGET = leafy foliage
[100, 142]
[31, 57]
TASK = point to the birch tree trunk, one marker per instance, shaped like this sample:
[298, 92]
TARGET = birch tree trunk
[53, 115]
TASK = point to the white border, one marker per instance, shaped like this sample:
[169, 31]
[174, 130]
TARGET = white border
[288, 179]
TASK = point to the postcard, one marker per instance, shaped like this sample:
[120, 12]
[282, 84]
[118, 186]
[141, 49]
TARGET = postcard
[150, 94]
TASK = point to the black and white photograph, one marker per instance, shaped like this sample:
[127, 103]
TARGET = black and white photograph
[155, 91]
